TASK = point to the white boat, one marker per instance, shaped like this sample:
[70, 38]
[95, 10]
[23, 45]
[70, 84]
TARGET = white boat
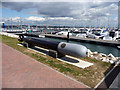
[107, 38]
[97, 33]
[82, 33]
[41, 36]
[64, 33]
[118, 47]
[114, 34]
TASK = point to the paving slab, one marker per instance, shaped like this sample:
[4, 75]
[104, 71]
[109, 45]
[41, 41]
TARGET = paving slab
[21, 71]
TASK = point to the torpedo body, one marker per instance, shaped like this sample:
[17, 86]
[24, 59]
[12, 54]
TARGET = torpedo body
[61, 47]
[72, 49]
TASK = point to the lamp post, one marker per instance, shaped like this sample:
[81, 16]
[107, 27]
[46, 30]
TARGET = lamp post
[11, 25]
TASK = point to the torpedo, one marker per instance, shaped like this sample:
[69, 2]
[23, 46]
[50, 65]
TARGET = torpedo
[64, 48]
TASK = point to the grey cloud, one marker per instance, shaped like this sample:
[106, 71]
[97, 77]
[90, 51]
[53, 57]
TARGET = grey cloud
[18, 6]
[58, 9]
[55, 9]
[77, 10]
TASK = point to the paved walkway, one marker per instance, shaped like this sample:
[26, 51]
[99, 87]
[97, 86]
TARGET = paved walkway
[21, 71]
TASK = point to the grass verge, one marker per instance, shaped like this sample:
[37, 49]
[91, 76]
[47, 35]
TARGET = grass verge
[90, 76]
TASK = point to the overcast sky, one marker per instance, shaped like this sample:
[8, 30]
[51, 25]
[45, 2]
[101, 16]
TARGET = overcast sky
[61, 13]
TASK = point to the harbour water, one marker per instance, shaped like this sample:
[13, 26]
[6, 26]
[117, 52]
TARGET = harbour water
[94, 47]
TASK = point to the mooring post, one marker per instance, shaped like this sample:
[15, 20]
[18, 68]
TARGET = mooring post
[68, 37]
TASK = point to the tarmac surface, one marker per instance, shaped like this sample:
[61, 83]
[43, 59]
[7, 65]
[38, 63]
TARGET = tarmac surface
[21, 71]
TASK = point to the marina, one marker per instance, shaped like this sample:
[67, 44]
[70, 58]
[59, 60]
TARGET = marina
[60, 44]
[101, 45]
[89, 40]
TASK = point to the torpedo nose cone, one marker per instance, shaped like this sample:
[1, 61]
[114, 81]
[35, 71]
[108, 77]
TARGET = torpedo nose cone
[72, 49]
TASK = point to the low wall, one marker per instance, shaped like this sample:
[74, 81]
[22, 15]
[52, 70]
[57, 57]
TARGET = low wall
[9, 34]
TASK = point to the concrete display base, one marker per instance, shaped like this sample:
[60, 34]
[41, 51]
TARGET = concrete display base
[68, 59]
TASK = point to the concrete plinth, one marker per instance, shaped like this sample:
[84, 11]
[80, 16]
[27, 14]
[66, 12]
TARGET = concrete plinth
[55, 54]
